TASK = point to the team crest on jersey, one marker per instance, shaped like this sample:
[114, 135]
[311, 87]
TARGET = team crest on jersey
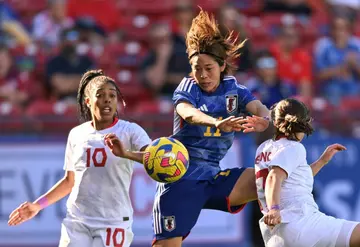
[169, 223]
[231, 103]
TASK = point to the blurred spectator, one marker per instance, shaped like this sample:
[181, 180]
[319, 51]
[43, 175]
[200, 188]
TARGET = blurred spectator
[12, 87]
[231, 20]
[294, 63]
[296, 7]
[183, 16]
[49, 24]
[11, 26]
[267, 86]
[165, 65]
[337, 61]
[104, 12]
[345, 7]
[64, 71]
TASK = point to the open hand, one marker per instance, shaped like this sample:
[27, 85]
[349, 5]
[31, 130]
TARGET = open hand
[255, 124]
[330, 151]
[24, 212]
[230, 124]
[115, 145]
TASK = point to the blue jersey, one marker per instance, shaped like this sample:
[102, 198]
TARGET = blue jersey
[206, 145]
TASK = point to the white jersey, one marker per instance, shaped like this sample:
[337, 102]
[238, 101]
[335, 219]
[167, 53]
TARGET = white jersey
[296, 190]
[100, 195]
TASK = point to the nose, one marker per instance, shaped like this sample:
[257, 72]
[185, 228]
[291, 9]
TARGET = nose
[107, 99]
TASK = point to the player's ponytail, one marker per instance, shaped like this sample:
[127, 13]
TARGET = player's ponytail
[204, 37]
[89, 76]
[291, 116]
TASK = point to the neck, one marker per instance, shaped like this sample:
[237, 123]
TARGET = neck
[101, 125]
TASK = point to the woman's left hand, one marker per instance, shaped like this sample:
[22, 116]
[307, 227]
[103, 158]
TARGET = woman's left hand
[115, 145]
[330, 151]
[255, 124]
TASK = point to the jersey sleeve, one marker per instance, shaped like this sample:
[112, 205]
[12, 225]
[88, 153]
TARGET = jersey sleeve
[288, 158]
[139, 138]
[185, 92]
[68, 163]
[245, 96]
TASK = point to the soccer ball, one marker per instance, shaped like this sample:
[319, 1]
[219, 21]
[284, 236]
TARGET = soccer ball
[166, 160]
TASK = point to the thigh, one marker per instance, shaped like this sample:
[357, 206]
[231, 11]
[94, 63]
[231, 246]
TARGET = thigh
[74, 234]
[232, 189]
[113, 236]
[176, 209]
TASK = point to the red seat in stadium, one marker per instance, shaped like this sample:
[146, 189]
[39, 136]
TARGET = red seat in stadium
[151, 7]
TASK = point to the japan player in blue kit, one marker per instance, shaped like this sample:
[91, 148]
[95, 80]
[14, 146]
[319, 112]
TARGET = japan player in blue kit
[207, 105]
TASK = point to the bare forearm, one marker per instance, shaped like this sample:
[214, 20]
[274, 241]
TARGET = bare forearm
[196, 117]
[135, 156]
[58, 191]
[326, 74]
[272, 191]
[317, 166]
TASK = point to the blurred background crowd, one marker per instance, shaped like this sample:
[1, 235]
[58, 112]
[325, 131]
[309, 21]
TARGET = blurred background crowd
[308, 49]
[303, 48]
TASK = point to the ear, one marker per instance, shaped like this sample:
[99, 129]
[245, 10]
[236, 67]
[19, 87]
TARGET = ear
[222, 68]
[87, 102]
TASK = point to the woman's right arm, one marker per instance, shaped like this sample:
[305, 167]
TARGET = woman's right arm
[272, 194]
[28, 210]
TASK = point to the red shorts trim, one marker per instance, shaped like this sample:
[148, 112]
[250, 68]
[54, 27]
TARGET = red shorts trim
[183, 238]
[241, 207]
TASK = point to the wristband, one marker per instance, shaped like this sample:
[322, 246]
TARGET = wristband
[275, 207]
[43, 202]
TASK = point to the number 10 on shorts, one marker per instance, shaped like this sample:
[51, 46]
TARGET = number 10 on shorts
[115, 237]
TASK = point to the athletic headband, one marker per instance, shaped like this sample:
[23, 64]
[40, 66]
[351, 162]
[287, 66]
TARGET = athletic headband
[207, 53]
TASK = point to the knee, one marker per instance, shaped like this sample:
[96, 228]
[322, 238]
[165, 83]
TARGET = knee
[355, 237]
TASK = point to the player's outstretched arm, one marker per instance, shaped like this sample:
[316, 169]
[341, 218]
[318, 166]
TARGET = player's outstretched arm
[116, 147]
[194, 116]
[272, 194]
[259, 122]
[328, 154]
[28, 210]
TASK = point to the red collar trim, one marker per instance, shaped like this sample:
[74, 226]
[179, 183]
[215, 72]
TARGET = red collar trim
[111, 125]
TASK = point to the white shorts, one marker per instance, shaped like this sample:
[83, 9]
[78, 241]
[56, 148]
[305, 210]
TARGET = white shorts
[78, 234]
[312, 230]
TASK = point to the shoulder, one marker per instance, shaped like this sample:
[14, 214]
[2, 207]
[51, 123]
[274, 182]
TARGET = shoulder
[354, 42]
[79, 130]
[293, 148]
[187, 84]
[232, 83]
[322, 45]
[128, 127]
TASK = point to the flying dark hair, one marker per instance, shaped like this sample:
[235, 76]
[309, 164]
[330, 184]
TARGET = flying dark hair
[291, 116]
[204, 37]
[89, 77]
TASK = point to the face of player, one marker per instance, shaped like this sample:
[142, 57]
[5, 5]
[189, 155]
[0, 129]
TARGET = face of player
[102, 102]
[206, 72]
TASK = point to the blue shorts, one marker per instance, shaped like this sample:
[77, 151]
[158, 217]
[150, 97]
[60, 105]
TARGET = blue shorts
[177, 206]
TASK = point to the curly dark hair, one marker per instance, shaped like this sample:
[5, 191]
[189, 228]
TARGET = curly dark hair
[204, 37]
[85, 88]
[291, 116]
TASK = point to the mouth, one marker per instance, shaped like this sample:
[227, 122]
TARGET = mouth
[106, 110]
[205, 84]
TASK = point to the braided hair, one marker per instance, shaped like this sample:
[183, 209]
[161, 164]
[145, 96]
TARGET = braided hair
[85, 87]
[289, 117]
